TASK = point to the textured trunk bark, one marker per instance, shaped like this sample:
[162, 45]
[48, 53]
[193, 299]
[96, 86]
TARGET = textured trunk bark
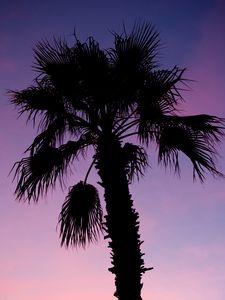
[121, 222]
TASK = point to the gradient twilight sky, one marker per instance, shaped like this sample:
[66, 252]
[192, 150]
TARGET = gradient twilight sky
[182, 223]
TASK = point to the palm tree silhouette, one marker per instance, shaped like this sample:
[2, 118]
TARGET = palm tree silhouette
[87, 97]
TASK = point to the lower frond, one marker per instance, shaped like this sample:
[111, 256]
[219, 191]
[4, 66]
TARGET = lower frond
[45, 165]
[81, 216]
[198, 146]
[35, 174]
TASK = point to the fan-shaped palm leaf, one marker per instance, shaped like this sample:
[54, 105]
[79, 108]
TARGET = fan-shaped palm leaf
[35, 174]
[58, 67]
[138, 48]
[157, 98]
[210, 126]
[196, 141]
[81, 216]
[38, 100]
[93, 66]
[132, 57]
[48, 54]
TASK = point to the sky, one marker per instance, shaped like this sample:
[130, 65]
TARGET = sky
[182, 223]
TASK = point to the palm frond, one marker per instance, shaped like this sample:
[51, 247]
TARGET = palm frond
[54, 115]
[158, 98]
[50, 53]
[211, 127]
[46, 164]
[195, 136]
[78, 72]
[57, 64]
[136, 160]
[93, 67]
[81, 216]
[139, 47]
[132, 58]
[53, 135]
[164, 87]
[35, 174]
[39, 100]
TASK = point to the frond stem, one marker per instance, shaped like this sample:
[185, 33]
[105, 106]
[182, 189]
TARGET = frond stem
[89, 170]
[133, 133]
[128, 126]
[124, 121]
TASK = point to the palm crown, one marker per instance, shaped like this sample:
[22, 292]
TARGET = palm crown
[82, 93]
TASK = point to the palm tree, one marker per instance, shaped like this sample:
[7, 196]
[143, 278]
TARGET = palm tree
[85, 97]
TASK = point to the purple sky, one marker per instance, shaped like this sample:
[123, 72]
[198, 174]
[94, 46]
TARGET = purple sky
[182, 223]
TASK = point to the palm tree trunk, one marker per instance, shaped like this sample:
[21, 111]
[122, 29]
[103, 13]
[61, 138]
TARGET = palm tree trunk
[121, 223]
